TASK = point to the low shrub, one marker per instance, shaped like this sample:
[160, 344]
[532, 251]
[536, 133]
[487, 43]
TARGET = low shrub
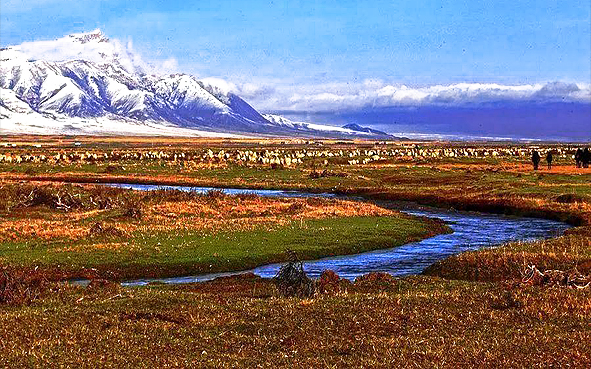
[291, 280]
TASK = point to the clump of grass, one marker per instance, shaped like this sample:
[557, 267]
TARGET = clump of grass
[242, 285]
[215, 195]
[375, 281]
[31, 196]
[113, 169]
[107, 231]
[132, 208]
[103, 285]
[21, 285]
[330, 282]
[276, 166]
[505, 301]
[569, 198]
[161, 195]
[326, 173]
[61, 197]
[295, 208]
[314, 201]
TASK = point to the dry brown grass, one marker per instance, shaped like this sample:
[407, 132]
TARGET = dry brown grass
[242, 322]
[21, 285]
[167, 211]
[378, 321]
[568, 253]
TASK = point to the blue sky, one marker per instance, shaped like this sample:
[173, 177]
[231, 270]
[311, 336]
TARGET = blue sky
[412, 42]
[401, 66]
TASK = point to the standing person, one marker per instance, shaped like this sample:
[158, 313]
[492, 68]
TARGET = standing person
[586, 157]
[579, 157]
[535, 158]
[549, 159]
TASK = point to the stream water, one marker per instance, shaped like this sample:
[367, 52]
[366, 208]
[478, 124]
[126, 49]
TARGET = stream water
[471, 231]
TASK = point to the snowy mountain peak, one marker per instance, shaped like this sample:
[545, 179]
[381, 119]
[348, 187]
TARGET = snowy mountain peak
[88, 78]
[351, 130]
[92, 47]
[94, 36]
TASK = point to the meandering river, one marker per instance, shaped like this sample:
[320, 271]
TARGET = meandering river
[471, 231]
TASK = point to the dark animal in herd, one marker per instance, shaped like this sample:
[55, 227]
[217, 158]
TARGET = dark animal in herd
[535, 158]
[583, 158]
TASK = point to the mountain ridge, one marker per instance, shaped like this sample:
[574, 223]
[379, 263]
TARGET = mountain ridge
[107, 85]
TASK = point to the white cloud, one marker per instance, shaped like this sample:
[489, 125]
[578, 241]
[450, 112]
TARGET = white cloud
[170, 65]
[220, 84]
[375, 93]
[92, 46]
[282, 95]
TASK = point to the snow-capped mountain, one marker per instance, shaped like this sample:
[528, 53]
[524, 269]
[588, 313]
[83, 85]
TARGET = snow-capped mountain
[349, 130]
[96, 86]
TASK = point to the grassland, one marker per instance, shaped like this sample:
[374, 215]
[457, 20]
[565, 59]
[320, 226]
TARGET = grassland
[414, 322]
[88, 231]
[471, 310]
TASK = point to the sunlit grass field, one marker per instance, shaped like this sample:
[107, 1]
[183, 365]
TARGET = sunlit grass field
[416, 322]
[470, 310]
[124, 234]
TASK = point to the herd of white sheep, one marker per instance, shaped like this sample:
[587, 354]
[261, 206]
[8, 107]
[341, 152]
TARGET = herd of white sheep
[280, 157]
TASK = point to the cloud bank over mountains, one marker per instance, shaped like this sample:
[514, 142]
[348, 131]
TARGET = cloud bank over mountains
[540, 110]
[286, 95]
[379, 94]
[95, 47]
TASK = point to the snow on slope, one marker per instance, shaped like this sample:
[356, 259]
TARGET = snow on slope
[312, 127]
[36, 123]
[87, 84]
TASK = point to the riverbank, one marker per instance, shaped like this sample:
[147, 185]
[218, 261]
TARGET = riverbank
[103, 232]
[563, 195]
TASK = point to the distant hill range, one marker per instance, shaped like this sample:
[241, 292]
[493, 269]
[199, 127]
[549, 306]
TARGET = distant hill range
[108, 95]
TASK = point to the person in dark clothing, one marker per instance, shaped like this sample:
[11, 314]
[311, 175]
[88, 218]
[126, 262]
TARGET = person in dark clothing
[579, 157]
[549, 159]
[586, 157]
[535, 158]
